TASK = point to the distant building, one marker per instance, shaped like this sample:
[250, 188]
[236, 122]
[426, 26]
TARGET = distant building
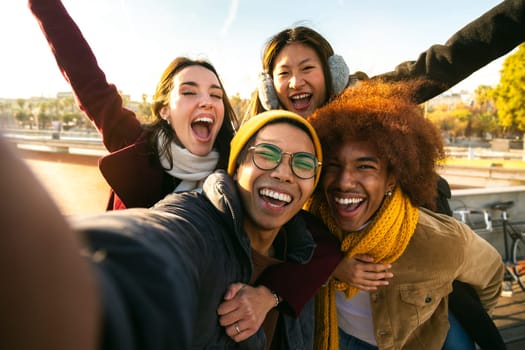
[451, 99]
[64, 94]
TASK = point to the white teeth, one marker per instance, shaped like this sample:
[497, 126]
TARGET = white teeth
[346, 201]
[203, 120]
[298, 97]
[276, 195]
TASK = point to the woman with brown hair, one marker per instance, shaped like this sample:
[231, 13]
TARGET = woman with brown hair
[191, 127]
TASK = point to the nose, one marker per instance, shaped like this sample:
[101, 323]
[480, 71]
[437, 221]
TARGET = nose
[296, 81]
[205, 102]
[347, 180]
[283, 172]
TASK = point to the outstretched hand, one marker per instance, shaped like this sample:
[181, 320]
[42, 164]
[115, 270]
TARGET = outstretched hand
[244, 309]
[361, 272]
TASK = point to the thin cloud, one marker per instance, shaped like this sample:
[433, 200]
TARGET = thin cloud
[232, 14]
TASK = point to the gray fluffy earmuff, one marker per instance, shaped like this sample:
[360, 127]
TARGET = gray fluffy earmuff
[340, 73]
[267, 94]
[338, 69]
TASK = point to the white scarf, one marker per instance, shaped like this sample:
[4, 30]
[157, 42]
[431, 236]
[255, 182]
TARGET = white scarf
[189, 168]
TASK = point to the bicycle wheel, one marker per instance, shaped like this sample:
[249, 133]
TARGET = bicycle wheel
[518, 260]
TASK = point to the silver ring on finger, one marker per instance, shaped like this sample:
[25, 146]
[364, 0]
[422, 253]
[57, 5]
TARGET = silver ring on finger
[237, 329]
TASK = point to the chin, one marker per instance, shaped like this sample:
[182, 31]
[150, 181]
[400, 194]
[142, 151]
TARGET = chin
[346, 226]
[201, 151]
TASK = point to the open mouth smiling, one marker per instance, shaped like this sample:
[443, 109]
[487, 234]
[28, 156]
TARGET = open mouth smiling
[348, 203]
[275, 198]
[301, 101]
[202, 127]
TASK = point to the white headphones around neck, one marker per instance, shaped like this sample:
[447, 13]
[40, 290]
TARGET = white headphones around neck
[338, 70]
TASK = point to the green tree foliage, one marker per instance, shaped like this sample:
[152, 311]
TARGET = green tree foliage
[476, 118]
[42, 112]
[3, 115]
[144, 109]
[239, 105]
[22, 114]
[510, 92]
[465, 117]
[452, 121]
[43, 117]
[483, 108]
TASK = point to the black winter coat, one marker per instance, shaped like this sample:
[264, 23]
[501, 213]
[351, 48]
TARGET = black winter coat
[164, 270]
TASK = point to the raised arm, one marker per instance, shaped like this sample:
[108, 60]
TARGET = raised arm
[95, 96]
[488, 37]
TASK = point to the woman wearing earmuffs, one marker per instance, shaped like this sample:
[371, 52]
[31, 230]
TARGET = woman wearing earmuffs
[301, 73]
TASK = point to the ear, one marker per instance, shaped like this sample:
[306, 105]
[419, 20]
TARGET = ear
[237, 171]
[390, 183]
[267, 94]
[340, 73]
[165, 113]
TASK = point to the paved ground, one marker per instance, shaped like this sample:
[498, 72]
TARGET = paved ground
[73, 181]
[509, 317]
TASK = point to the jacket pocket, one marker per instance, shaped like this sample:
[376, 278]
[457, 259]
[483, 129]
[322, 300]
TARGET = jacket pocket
[422, 299]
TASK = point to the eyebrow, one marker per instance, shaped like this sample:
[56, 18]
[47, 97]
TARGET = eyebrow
[300, 62]
[192, 83]
[368, 159]
[305, 60]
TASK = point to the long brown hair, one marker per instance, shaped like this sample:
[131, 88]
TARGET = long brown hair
[161, 98]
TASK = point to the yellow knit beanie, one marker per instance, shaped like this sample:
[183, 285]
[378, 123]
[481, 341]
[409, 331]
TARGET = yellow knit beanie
[255, 123]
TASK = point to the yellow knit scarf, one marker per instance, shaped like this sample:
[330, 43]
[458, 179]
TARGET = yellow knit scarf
[385, 239]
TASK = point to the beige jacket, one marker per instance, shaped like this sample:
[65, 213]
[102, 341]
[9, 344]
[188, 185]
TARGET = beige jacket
[411, 312]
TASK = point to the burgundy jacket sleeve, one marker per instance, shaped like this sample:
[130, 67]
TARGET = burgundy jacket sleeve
[99, 100]
[488, 37]
[297, 283]
[136, 177]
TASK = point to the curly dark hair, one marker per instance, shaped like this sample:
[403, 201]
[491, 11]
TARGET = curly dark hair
[384, 115]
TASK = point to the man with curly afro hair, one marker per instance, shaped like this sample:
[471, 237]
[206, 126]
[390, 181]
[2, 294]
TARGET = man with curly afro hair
[379, 173]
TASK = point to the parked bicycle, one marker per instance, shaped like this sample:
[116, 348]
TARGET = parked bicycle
[514, 254]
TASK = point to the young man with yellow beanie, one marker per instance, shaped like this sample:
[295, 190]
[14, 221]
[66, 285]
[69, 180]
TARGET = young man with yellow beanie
[160, 273]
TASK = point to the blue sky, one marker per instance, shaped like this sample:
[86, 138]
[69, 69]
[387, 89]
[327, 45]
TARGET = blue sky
[134, 40]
